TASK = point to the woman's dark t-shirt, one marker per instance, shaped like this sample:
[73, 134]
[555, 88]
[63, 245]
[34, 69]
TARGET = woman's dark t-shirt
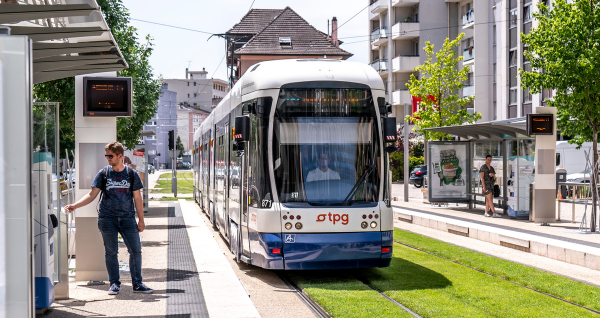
[117, 200]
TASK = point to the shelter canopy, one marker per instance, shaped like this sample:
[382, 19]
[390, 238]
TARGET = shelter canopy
[493, 130]
[70, 37]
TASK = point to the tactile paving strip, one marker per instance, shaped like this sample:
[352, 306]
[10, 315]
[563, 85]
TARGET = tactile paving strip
[185, 297]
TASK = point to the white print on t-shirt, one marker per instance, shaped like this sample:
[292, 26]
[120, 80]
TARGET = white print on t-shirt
[123, 184]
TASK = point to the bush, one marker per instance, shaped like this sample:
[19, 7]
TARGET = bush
[397, 164]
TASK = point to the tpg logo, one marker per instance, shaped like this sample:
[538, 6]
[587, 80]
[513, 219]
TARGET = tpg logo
[336, 218]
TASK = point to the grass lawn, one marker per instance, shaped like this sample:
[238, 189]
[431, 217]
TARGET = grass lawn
[183, 185]
[173, 199]
[435, 287]
[187, 174]
[556, 285]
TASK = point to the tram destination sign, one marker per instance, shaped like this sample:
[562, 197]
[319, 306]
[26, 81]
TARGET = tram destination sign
[540, 124]
[107, 96]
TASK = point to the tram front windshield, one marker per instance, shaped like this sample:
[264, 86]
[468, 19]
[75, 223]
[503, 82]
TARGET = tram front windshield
[326, 147]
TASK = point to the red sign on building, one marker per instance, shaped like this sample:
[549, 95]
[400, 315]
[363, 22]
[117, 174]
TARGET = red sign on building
[138, 153]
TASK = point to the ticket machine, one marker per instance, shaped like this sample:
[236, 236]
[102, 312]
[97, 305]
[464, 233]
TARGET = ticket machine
[44, 226]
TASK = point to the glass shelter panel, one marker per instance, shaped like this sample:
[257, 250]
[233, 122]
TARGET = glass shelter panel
[481, 150]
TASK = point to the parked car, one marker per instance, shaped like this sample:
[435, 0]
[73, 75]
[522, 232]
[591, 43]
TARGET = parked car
[151, 169]
[417, 176]
[581, 177]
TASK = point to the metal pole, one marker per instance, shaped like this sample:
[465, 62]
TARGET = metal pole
[406, 153]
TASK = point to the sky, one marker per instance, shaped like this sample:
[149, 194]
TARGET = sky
[175, 49]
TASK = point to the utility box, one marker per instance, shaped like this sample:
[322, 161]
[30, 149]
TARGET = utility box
[561, 176]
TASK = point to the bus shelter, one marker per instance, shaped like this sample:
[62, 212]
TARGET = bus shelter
[454, 165]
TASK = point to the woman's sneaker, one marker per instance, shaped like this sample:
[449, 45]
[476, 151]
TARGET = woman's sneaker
[486, 215]
[496, 215]
[114, 289]
[141, 288]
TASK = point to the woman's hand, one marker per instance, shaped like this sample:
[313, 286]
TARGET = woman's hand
[492, 175]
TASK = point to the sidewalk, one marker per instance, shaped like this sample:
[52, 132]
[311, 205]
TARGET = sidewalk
[560, 241]
[182, 262]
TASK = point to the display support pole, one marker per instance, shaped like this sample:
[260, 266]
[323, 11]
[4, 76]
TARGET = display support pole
[174, 173]
[406, 153]
[91, 134]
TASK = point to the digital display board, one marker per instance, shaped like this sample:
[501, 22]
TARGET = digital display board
[540, 124]
[107, 96]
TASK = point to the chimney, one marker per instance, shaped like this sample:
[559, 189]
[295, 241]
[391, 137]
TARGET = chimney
[186, 73]
[334, 36]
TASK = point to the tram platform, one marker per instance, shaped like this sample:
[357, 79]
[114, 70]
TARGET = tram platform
[560, 247]
[182, 262]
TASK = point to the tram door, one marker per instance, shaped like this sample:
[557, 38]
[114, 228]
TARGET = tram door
[245, 192]
[226, 176]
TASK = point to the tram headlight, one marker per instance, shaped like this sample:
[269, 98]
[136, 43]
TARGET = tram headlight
[285, 217]
[373, 224]
[364, 224]
[298, 225]
[288, 226]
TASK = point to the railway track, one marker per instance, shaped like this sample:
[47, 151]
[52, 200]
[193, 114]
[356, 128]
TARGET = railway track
[311, 304]
[490, 274]
[320, 312]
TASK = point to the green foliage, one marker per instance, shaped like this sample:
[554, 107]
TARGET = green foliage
[397, 164]
[146, 89]
[179, 146]
[564, 55]
[438, 87]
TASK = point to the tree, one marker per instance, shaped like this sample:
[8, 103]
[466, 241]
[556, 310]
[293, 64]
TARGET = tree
[438, 88]
[179, 146]
[146, 89]
[564, 54]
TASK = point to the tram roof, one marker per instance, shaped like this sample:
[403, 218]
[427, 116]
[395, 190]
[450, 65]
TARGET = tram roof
[274, 74]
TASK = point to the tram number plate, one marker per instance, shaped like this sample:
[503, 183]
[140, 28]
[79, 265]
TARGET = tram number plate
[290, 238]
[294, 195]
[266, 203]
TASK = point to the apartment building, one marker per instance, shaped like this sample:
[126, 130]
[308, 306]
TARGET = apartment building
[491, 48]
[183, 105]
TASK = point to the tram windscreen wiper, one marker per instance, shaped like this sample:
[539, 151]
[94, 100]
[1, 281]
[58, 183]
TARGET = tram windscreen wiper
[368, 170]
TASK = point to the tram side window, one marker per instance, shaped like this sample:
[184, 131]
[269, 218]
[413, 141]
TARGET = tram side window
[258, 174]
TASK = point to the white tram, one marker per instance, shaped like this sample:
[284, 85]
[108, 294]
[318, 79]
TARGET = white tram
[292, 167]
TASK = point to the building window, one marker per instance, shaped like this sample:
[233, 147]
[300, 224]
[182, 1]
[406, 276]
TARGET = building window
[188, 83]
[195, 104]
[151, 123]
[526, 13]
[188, 95]
[495, 73]
[526, 95]
[194, 83]
[513, 37]
[512, 58]
[512, 74]
[150, 137]
[512, 96]
[195, 95]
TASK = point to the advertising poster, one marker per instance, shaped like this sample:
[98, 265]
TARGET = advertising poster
[448, 179]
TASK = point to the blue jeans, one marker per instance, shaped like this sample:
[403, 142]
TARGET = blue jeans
[110, 228]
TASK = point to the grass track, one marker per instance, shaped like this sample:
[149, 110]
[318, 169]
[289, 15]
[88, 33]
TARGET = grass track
[183, 185]
[556, 285]
[435, 287]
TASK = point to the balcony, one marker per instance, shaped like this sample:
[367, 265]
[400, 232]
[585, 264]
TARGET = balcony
[404, 3]
[380, 65]
[378, 36]
[468, 19]
[468, 90]
[405, 63]
[405, 30]
[378, 6]
[401, 97]
[468, 57]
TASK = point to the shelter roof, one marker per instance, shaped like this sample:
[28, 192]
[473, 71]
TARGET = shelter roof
[493, 130]
[68, 39]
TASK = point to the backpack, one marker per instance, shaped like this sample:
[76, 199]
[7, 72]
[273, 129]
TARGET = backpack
[104, 181]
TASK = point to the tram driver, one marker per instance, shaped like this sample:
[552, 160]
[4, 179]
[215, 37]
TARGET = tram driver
[322, 172]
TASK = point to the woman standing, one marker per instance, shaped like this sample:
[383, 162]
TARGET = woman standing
[488, 178]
